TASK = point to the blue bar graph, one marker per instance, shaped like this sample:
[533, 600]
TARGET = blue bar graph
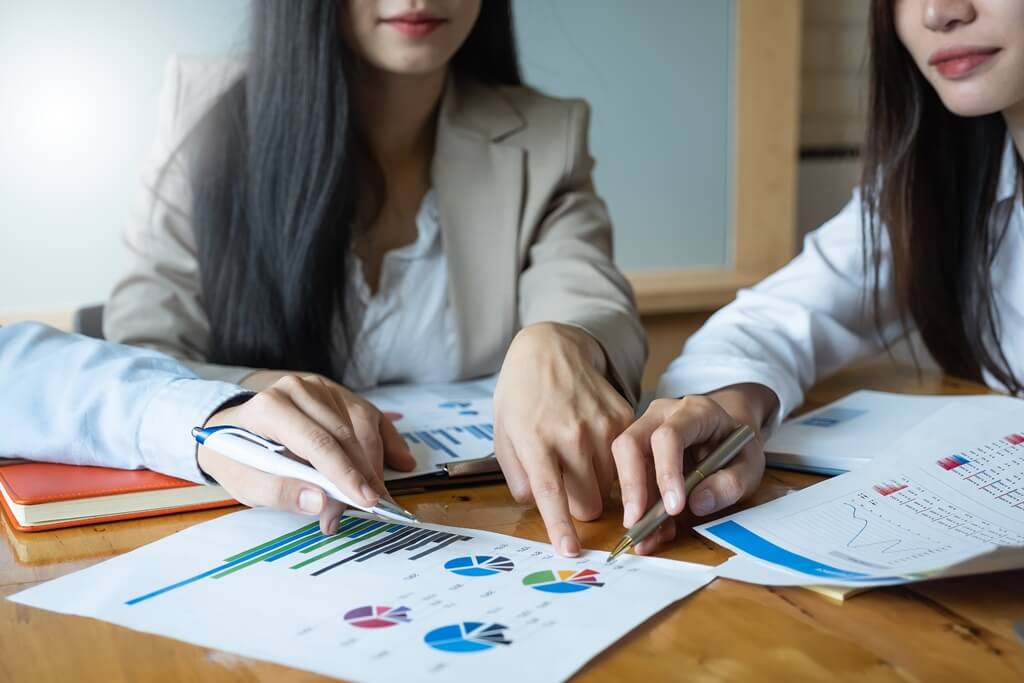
[448, 439]
[357, 540]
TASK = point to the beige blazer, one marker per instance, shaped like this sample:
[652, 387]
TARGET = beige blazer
[527, 238]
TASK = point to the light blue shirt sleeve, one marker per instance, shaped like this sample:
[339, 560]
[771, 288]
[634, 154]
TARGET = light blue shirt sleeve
[68, 398]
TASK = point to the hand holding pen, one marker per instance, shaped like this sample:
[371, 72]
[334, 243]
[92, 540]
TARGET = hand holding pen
[344, 438]
[649, 457]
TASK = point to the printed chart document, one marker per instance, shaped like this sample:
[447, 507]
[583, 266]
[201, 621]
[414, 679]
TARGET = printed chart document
[946, 500]
[442, 423]
[848, 433]
[377, 601]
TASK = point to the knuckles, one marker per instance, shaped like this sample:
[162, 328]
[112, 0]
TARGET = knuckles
[321, 440]
[729, 486]
[586, 510]
[289, 383]
[664, 435]
[363, 412]
[547, 488]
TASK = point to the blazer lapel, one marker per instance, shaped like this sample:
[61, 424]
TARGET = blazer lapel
[479, 183]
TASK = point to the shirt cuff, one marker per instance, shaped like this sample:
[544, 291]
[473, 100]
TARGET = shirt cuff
[165, 436]
[701, 375]
[234, 374]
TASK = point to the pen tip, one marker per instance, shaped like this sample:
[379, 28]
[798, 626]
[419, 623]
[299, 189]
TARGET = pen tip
[625, 544]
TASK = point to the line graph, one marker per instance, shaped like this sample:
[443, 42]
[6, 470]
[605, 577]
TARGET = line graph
[886, 546]
[868, 530]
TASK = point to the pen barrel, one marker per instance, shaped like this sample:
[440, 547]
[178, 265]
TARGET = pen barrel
[257, 457]
[654, 518]
[717, 459]
[720, 457]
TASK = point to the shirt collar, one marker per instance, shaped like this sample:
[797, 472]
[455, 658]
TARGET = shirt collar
[1007, 187]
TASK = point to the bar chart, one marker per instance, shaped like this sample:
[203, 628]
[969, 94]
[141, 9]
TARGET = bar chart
[993, 469]
[454, 441]
[357, 540]
[389, 603]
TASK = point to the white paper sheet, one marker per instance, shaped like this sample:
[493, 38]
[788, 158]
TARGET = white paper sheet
[425, 603]
[947, 499]
[440, 422]
[848, 433]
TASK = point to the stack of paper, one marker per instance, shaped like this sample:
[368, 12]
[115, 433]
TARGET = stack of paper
[442, 423]
[848, 433]
[377, 601]
[946, 499]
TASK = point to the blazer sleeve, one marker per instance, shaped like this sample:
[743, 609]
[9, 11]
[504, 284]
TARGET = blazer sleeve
[158, 303]
[570, 276]
[797, 326]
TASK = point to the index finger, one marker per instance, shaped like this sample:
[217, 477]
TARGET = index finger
[693, 422]
[549, 494]
[285, 422]
[632, 453]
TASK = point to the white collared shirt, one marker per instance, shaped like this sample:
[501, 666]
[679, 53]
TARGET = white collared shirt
[72, 399]
[405, 332]
[812, 317]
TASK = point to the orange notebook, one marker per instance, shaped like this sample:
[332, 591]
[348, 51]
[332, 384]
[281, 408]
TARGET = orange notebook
[39, 495]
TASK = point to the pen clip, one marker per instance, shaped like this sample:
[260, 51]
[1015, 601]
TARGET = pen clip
[241, 433]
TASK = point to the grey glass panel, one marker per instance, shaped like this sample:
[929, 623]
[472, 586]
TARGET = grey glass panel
[658, 75]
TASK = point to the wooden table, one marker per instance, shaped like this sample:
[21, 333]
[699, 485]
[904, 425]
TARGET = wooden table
[959, 629]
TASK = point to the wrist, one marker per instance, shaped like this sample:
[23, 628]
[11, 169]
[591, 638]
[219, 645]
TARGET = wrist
[568, 339]
[752, 403]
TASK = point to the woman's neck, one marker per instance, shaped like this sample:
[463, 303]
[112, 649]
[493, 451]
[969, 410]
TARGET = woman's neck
[398, 114]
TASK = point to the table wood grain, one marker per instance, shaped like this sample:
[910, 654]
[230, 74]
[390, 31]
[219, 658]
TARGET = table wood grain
[957, 629]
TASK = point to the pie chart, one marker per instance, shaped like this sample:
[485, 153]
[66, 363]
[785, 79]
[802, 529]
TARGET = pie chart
[563, 580]
[377, 617]
[479, 565]
[469, 636]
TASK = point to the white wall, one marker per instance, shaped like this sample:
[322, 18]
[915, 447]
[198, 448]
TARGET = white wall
[78, 91]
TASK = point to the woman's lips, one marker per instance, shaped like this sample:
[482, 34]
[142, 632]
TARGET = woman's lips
[414, 24]
[957, 63]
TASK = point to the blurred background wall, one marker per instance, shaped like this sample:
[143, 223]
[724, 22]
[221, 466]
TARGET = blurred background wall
[78, 106]
[833, 100]
[78, 112]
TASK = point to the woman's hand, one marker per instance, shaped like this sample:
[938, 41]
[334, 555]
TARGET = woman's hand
[650, 454]
[555, 419]
[336, 431]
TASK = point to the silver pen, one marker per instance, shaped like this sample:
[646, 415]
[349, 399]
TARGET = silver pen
[656, 516]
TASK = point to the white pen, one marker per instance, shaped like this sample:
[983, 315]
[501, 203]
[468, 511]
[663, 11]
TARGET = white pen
[269, 456]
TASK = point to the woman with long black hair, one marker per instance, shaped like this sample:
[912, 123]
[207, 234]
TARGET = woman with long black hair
[932, 243]
[372, 196]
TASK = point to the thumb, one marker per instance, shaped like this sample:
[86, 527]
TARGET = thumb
[256, 488]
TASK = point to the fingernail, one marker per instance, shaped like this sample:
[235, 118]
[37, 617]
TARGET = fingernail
[672, 503]
[369, 495]
[569, 547]
[310, 501]
[704, 502]
[632, 514]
